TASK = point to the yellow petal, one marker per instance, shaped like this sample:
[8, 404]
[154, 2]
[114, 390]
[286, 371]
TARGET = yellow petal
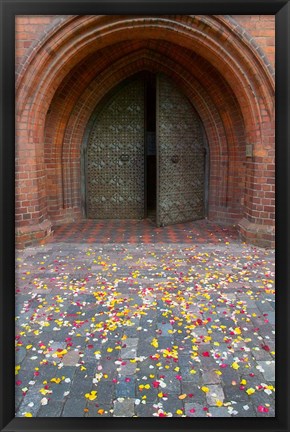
[205, 389]
[55, 380]
[91, 396]
[235, 365]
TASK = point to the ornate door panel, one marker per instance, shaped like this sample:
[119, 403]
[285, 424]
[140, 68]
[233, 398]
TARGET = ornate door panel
[115, 157]
[180, 157]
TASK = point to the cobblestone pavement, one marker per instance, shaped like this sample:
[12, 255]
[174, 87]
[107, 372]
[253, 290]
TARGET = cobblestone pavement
[145, 330]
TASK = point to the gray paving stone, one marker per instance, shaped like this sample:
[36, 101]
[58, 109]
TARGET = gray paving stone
[80, 386]
[215, 394]
[190, 389]
[32, 397]
[271, 317]
[264, 306]
[268, 369]
[90, 369]
[125, 389]
[124, 287]
[74, 407]
[124, 408]
[194, 410]
[150, 393]
[146, 367]
[150, 315]
[244, 409]
[172, 384]
[71, 358]
[229, 375]
[67, 372]
[20, 355]
[106, 391]
[163, 328]
[99, 410]
[171, 404]
[208, 364]
[130, 331]
[18, 399]
[127, 369]
[59, 390]
[260, 354]
[184, 359]
[219, 412]
[233, 393]
[200, 331]
[90, 298]
[52, 409]
[262, 398]
[165, 342]
[108, 366]
[210, 377]
[187, 376]
[266, 330]
[129, 348]
[145, 410]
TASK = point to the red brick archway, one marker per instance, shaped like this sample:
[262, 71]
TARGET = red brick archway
[217, 66]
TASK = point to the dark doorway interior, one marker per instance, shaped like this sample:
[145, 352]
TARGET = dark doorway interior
[150, 139]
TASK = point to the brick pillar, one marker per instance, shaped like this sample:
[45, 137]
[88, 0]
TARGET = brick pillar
[258, 224]
[32, 224]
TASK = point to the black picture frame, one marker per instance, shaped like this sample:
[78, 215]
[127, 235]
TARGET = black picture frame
[10, 8]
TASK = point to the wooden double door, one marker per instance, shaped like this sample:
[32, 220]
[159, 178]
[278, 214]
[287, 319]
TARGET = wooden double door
[146, 153]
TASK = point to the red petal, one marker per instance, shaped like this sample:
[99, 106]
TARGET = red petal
[266, 347]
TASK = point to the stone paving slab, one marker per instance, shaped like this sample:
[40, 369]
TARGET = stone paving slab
[161, 329]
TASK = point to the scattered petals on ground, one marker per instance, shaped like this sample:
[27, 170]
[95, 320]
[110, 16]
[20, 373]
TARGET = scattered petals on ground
[145, 330]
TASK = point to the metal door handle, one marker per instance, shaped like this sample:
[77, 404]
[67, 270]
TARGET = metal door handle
[124, 157]
[175, 159]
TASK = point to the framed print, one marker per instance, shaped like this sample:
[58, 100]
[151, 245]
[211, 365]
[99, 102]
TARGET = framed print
[145, 215]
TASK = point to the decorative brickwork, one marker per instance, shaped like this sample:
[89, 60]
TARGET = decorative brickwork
[66, 65]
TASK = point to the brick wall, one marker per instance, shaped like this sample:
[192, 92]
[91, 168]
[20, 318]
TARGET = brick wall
[262, 28]
[228, 77]
[29, 31]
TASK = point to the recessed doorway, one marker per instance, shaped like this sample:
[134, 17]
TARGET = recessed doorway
[146, 154]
